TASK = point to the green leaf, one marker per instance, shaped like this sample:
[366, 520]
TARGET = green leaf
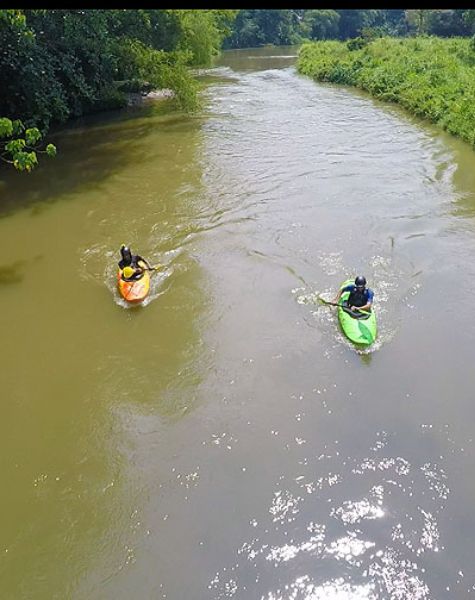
[25, 161]
[18, 127]
[32, 136]
[51, 150]
[6, 127]
[15, 146]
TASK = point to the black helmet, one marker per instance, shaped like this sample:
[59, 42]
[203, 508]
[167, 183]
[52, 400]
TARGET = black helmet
[360, 281]
[126, 254]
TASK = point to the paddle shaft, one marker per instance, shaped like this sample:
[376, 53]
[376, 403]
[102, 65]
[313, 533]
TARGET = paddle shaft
[363, 312]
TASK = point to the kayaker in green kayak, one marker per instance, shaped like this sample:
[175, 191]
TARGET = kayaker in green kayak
[360, 298]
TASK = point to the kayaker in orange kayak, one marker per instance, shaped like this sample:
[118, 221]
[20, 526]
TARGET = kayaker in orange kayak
[130, 266]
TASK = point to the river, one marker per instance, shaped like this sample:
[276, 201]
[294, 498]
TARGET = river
[224, 440]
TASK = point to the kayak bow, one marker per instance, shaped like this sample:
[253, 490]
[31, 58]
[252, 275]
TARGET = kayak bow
[137, 290]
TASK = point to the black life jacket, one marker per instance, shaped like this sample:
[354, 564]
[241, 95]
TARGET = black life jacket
[134, 262]
[357, 298]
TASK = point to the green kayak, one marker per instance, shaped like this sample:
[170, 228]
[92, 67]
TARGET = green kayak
[361, 331]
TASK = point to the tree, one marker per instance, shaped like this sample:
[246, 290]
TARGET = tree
[203, 33]
[417, 20]
[63, 63]
[447, 23]
[278, 26]
[352, 21]
[19, 146]
[469, 18]
[320, 24]
[245, 32]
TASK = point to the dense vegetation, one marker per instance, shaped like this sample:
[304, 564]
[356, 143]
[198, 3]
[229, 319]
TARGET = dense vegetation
[59, 64]
[433, 78]
[257, 27]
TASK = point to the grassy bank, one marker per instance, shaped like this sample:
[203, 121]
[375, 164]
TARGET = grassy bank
[433, 78]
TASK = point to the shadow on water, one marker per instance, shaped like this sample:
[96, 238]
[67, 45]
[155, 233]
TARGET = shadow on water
[366, 358]
[90, 150]
[15, 272]
[12, 273]
[95, 373]
[464, 178]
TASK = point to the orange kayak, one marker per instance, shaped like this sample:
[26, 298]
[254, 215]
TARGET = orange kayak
[134, 291]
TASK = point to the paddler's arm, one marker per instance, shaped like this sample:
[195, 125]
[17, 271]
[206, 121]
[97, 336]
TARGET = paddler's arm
[366, 307]
[338, 296]
[146, 263]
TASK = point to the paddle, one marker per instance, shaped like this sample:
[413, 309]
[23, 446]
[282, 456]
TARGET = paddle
[363, 312]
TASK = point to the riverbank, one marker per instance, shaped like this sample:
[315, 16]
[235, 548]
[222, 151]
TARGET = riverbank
[135, 99]
[433, 78]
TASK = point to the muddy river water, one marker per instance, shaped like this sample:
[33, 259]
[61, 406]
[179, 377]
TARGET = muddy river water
[224, 440]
